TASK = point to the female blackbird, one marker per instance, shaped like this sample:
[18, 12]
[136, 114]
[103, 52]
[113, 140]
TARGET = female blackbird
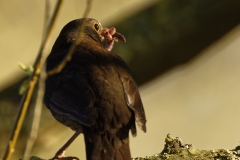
[94, 93]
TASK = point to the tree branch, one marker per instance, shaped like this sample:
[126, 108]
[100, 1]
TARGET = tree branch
[26, 98]
[175, 149]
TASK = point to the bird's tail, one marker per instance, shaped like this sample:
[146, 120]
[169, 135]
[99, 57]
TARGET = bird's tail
[106, 147]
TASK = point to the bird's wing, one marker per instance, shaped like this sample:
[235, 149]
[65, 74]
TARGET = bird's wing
[132, 95]
[68, 93]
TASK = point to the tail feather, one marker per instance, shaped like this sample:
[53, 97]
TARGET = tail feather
[123, 152]
[102, 148]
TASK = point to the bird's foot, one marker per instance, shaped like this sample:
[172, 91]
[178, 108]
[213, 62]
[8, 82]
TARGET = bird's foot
[65, 158]
[111, 36]
[61, 156]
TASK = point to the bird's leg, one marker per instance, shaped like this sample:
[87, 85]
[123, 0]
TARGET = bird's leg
[60, 153]
[110, 35]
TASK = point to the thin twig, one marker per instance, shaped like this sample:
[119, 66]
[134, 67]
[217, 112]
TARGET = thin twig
[68, 57]
[40, 93]
[33, 78]
[46, 18]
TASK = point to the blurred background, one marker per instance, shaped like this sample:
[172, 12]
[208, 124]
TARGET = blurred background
[184, 55]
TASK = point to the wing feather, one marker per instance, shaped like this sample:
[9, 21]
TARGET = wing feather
[131, 93]
[69, 93]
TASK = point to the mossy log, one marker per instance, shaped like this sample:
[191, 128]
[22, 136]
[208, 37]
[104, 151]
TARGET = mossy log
[174, 149]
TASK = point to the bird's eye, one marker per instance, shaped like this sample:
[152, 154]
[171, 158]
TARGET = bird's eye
[96, 26]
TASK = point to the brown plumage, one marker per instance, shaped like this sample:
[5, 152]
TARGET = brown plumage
[95, 93]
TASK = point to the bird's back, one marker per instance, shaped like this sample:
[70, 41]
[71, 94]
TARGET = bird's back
[90, 91]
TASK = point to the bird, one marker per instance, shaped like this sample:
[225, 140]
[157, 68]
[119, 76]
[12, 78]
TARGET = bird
[94, 93]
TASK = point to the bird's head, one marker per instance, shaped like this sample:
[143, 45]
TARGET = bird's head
[92, 29]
